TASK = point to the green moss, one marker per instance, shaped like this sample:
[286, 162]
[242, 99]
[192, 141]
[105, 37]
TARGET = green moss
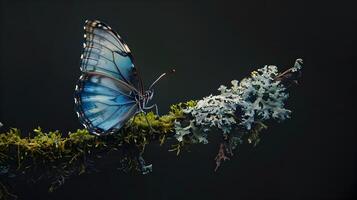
[177, 109]
[61, 156]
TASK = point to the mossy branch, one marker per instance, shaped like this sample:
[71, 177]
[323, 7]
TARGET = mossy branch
[55, 156]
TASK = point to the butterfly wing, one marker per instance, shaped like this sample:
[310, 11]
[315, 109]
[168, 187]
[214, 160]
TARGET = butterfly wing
[105, 93]
[106, 52]
[103, 104]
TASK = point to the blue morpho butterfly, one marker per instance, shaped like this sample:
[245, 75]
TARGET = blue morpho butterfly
[110, 90]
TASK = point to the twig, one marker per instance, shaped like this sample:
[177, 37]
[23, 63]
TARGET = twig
[221, 156]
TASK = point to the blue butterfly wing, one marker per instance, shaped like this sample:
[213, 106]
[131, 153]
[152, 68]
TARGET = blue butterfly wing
[103, 103]
[105, 52]
[105, 93]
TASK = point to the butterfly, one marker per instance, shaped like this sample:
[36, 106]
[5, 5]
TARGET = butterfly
[110, 90]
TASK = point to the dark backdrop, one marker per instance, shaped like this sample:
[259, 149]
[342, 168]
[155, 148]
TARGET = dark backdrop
[312, 155]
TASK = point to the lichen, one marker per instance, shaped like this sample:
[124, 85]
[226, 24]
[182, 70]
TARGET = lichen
[238, 111]
[256, 98]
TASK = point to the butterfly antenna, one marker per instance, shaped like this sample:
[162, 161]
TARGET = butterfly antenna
[162, 75]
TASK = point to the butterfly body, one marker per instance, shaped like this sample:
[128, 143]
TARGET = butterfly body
[110, 90]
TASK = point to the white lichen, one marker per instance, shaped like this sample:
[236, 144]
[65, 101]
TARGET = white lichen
[262, 97]
[195, 134]
[256, 98]
[215, 111]
[298, 65]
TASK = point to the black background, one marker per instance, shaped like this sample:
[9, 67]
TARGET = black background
[311, 156]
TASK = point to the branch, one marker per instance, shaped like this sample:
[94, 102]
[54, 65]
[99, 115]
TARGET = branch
[238, 112]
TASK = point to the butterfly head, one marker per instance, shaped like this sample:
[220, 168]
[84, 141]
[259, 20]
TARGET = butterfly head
[149, 94]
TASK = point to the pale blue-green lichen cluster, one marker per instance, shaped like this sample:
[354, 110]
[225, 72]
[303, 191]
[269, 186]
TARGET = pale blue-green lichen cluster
[253, 100]
[262, 98]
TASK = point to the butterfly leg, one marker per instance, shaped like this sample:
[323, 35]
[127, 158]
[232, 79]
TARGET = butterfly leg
[152, 106]
[147, 121]
[132, 122]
